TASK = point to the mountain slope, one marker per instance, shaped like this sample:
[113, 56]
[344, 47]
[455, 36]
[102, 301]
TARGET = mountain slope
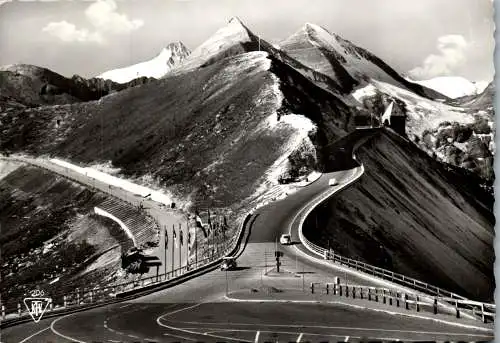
[482, 101]
[452, 86]
[235, 38]
[212, 133]
[156, 68]
[435, 224]
[452, 132]
[28, 85]
[343, 61]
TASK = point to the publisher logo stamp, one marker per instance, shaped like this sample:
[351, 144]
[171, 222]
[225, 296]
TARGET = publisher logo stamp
[37, 304]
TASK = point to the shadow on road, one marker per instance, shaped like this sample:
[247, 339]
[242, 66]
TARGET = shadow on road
[238, 268]
[249, 225]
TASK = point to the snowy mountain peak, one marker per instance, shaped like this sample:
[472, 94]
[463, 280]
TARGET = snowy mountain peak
[235, 26]
[157, 67]
[176, 49]
[236, 21]
[310, 27]
[342, 60]
[226, 41]
[452, 86]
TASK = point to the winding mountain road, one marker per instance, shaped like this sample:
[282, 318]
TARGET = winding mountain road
[225, 306]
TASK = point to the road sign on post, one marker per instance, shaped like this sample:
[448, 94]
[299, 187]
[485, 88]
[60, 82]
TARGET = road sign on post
[278, 254]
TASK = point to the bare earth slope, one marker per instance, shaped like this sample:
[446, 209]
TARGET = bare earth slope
[434, 224]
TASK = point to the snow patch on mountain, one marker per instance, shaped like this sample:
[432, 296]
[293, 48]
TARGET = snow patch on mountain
[423, 113]
[299, 122]
[453, 86]
[481, 86]
[157, 67]
[269, 189]
[363, 92]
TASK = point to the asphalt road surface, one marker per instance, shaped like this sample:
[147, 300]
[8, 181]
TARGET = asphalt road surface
[199, 310]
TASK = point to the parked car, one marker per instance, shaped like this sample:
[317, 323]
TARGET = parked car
[228, 263]
[332, 182]
[285, 239]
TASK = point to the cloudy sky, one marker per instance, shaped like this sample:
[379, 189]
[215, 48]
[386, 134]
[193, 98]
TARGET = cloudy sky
[423, 39]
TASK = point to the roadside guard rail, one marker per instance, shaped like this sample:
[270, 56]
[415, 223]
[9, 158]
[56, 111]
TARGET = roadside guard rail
[83, 298]
[408, 300]
[417, 285]
[87, 297]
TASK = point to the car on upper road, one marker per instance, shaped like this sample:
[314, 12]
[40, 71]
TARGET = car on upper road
[286, 239]
[228, 263]
[333, 182]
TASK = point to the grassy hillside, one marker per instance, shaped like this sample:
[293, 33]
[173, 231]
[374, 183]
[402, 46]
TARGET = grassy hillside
[213, 131]
[415, 216]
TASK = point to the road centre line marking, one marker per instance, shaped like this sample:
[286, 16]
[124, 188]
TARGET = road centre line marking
[158, 321]
[60, 334]
[257, 334]
[392, 339]
[33, 335]
[334, 327]
[177, 336]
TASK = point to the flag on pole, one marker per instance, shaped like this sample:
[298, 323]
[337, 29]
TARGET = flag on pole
[224, 226]
[209, 221]
[175, 235]
[166, 238]
[199, 223]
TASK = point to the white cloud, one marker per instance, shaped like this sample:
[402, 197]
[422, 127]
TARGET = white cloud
[103, 17]
[68, 32]
[452, 55]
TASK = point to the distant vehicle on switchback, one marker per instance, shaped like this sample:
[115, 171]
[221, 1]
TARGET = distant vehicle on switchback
[285, 239]
[228, 263]
[333, 182]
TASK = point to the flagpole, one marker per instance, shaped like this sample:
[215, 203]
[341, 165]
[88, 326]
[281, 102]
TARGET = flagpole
[180, 248]
[195, 248]
[210, 233]
[165, 246]
[187, 245]
[173, 247]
